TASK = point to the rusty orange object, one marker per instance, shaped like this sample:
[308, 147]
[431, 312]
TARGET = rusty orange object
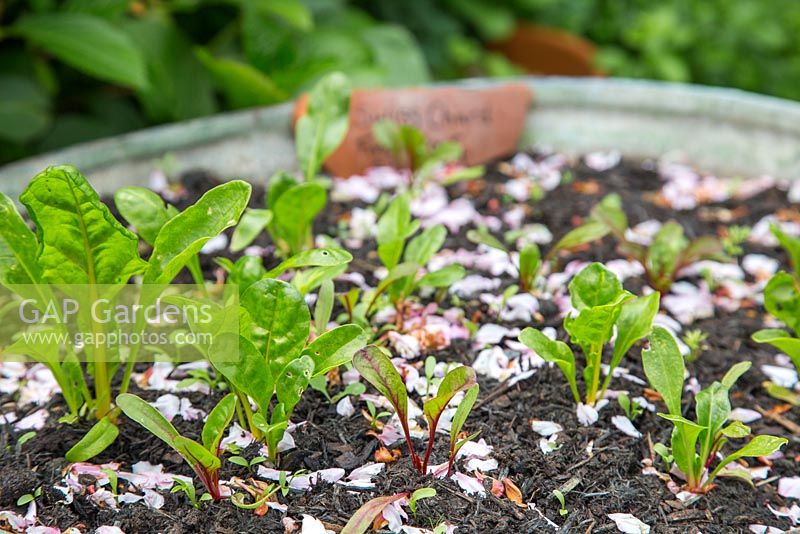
[543, 50]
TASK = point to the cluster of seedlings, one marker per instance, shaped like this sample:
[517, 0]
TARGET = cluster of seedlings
[285, 347]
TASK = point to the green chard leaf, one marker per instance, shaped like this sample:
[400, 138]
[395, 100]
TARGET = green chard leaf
[282, 320]
[460, 417]
[664, 253]
[99, 437]
[322, 129]
[664, 368]
[759, 446]
[791, 245]
[217, 421]
[586, 233]
[249, 373]
[782, 299]
[80, 240]
[609, 212]
[444, 277]
[293, 213]
[252, 223]
[595, 286]
[529, 262]
[713, 408]
[377, 369]
[423, 247]
[323, 308]
[144, 210]
[394, 227]
[293, 381]
[556, 351]
[182, 237]
[782, 341]
[143, 413]
[335, 347]
[18, 247]
[318, 257]
[457, 380]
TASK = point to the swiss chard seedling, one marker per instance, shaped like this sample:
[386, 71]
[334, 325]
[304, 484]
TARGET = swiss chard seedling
[792, 247]
[529, 257]
[376, 367]
[696, 444]
[311, 268]
[601, 305]
[669, 251]
[79, 242]
[293, 204]
[695, 339]
[395, 242]
[275, 360]
[782, 300]
[204, 458]
[412, 151]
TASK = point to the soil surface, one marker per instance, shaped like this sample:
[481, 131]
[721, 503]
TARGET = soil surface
[608, 481]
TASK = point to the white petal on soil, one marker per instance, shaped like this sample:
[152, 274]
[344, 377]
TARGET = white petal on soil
[760, 266]
[794, 192]
[474, 284]
[286, 443]
[602, 161]
[625, 268]
[107, 529]
[688, 302]
[625, 426]
[169, 405]
[484, 466]
[394, 514]
[587, 415]
[237, 436]
[492, 334]
[629, 524]
[153, 499]
[312, 525]
[475, 449]
[744, 415]
[548, 445]
[470, 485]
[789, 487]
[34, 421]
[366, 472]
[782, 376]
[345, 407]
[546, 428]
[764, 529]
[303, 482]
[793, 513]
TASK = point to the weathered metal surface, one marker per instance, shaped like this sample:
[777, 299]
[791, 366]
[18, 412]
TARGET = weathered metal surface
[721, 130]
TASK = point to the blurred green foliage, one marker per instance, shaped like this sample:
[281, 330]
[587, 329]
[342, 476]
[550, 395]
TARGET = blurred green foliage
[75, 70]
[749, 44]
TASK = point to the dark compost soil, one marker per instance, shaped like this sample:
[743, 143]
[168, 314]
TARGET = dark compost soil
[610, 480]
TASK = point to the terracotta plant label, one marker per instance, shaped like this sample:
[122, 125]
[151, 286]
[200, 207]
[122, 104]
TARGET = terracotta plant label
[487, 122]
